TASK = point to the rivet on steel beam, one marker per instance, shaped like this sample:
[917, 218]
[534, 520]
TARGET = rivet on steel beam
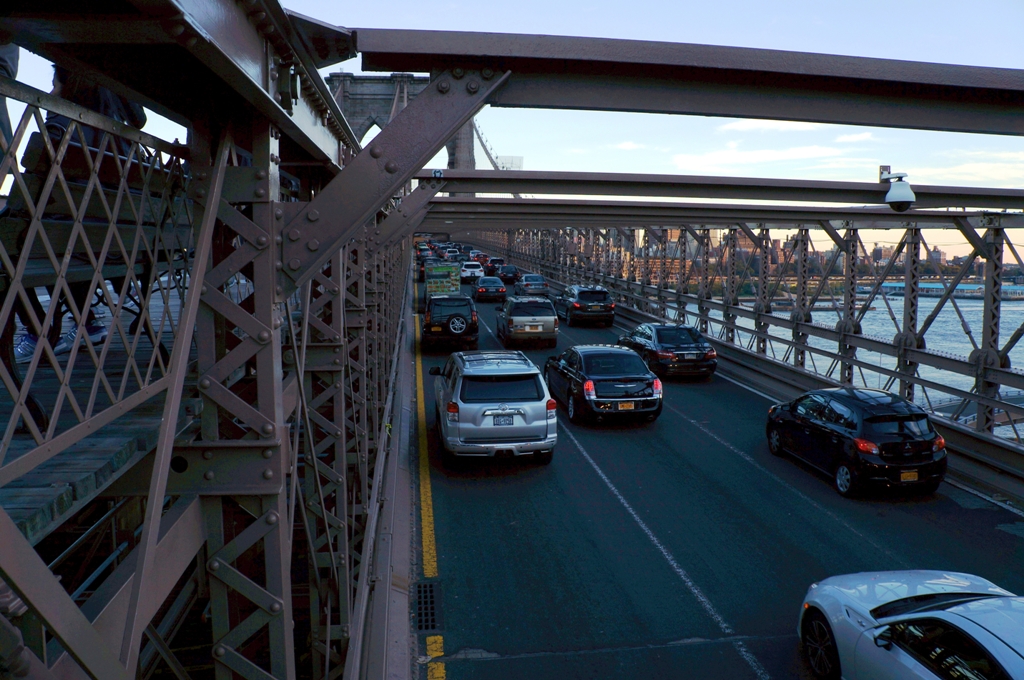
[276, 607]
[337, 362]
[261, 174]
[280, 289]
[294, 235]
[260, 193]
[277, 322]
[268, 474]
[214, 566]
[207, 455]
[376, 151]
[268, 453]
[313, 215]
[487, 73]
[278, 214]
[204, 383]
[220, 651]
[272, 517]
[264, 336]
[208, 475]
[176, 30]
[337, 384]
[472, 87]
[261, 241]
[309, 458]
[311, 504]
[268, 428]
[202, 291]
[279, 266]
[391, 166]
[273, 74]
[458, 72]
[335, 290]
[294, 263]
[313, 245]
[191, 41]
[258, 15]
[443, 87]
[337, 433]
[200, 192]
[277, 97]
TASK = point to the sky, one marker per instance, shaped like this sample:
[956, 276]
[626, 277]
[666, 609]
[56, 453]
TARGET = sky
[982, 33]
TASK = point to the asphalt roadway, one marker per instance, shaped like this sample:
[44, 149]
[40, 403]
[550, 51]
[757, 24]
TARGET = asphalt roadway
[677, 549]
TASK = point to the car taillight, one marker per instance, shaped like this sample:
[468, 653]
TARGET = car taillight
[510, 326]
[453, 412]
[556, 323]
[711, 354]
[552, 409]
[661, 354]
[612, 305]
[657, 388]
[480, 290]
[588, 389]
[473, 317]
[576, 305]
[501, 290]
[939, 443]
[426, 319]
[864, 446]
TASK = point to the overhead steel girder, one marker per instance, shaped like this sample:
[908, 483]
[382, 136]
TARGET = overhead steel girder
[464, 212]
[205, 45]
[695, 186]
[655, 77]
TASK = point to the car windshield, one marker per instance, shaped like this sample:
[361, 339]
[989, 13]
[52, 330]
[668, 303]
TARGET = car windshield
[593, 296]
[678, 336]
[617, 363]
[533, 309]
[491, 281]
[445, 307]
[533, 278]
[504, 388]
[916, 425]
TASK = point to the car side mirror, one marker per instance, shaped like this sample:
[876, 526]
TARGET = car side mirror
[434, 370]
[884, 638]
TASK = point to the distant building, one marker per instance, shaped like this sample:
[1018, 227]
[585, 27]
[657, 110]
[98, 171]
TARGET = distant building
[937, 256]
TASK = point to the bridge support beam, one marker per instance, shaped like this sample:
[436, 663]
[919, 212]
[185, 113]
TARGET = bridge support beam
[764, 292]
[801, 314]
[848, 325]
[909, 338]
[988, 355]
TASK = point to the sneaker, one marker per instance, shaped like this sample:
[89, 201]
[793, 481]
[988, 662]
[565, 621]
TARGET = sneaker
[95, 334]
[25, 348]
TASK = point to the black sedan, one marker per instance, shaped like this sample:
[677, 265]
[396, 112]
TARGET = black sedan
[603, 381]
[672, 350]
[489, 288]
[509, 274]
[860, 437]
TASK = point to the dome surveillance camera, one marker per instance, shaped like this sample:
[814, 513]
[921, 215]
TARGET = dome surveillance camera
[900, 196]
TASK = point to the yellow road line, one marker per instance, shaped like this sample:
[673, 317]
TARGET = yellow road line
[426, 495]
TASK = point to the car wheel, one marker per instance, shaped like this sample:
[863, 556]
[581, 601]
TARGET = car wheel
[457, 325]
[575, 410]
[820, 646]
[775, 442]
[544, 457]
[845, 480]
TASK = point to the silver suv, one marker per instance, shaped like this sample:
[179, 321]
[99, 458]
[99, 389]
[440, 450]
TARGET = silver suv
[527, 318]
[493, 404]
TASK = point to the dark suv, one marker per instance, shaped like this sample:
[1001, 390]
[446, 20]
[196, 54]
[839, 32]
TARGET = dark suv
[860, 437]
[451, 319]
[586, 303]
[493, 265]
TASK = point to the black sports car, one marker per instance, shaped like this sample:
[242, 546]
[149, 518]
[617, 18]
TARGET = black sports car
[860, 437]
[603, 381]
[672, 350]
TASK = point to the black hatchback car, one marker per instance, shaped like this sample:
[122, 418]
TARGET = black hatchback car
[672, 350]
[860, 437]
[450, 319]
[603, 381]
[586, 303]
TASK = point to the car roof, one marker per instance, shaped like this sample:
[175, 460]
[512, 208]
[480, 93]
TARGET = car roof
[873, 402]
[667, 326]
[604, 349]
[536, 276]
[581, 288]
[1003, 617]
[528, 298]
[494, 362]
[450, 296]
[472, 263]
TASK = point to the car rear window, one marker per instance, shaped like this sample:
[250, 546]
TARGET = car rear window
[593, 296]
[496, 260]
[533, 309]
[504, 388]
[451, 306]
[471, 265]
[916, 425]
[618, 363]
[533, 278]
[674, 336]
[490, 281]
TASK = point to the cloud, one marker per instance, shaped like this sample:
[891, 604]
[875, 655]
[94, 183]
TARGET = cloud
[859, 137]
[733, 156]
[979, 173]
[630, 146]
[767, 126]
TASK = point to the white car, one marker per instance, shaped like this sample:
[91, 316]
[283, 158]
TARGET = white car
[451, 253]
[912, 625]
[471, 272]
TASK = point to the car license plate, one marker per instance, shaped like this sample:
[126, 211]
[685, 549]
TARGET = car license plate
[533, 329]
[595, 308]
[690, 355]
[625, 406]
[909, 476]
[436, 329]
[503, 420]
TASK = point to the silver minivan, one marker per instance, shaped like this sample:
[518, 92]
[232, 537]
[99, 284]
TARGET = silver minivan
[493, 404]
[527, 318]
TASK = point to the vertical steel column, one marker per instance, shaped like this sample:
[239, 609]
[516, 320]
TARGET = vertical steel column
[801, 314]
[763, 308]
[704, 282]
[683, 268]
[987, 356]
[848, 325]
[908, 338]
[729, 298]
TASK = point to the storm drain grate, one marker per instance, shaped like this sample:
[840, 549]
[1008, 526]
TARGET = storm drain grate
[428, 606]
